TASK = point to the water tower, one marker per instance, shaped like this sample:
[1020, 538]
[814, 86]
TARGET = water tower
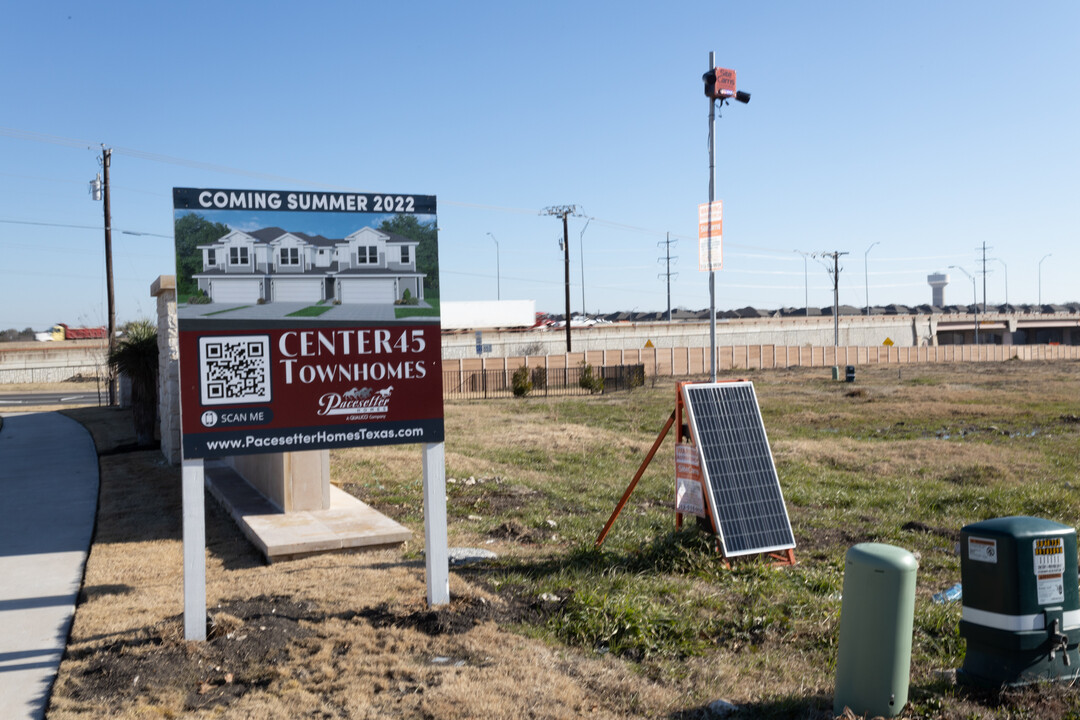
[938, 281]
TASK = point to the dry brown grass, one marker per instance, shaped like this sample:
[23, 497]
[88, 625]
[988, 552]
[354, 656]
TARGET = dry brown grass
[363, 645]
[349, 636]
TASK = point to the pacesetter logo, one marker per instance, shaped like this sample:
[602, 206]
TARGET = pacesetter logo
[357, 401]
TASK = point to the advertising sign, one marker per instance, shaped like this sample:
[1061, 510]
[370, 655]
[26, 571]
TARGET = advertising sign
[307, 320]
[710, 234]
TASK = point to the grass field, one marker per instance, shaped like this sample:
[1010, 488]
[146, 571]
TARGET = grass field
[651, 625]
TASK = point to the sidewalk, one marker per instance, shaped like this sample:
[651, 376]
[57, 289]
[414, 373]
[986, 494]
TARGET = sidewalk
[48, 500]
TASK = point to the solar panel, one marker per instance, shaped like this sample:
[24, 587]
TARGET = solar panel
[745, 500]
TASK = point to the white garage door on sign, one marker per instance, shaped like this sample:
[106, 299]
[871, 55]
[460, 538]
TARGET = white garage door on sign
[367, 291]
[234, 291]
[306, 290]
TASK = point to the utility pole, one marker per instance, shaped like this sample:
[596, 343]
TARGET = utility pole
[667, 274]
[835, 255]
[565, 211]
[106, 161]
[984, 249]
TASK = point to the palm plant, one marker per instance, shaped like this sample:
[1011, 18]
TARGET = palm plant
[136, 355]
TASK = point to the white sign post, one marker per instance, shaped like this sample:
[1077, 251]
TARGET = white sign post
[436, 550]
[193, 495]
[710, 236]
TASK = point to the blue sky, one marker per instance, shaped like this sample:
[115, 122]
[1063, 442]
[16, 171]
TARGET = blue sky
[926, 128]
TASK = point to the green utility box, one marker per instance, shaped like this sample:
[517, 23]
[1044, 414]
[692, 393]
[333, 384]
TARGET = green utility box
[873, 664]
[1021, 606]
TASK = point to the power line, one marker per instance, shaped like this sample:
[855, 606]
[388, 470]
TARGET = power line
[83, 227]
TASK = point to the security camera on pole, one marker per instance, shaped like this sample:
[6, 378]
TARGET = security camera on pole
[719, 86]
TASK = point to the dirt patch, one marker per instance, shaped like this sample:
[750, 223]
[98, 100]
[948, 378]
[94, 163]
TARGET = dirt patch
[461, 615]
[513, 530]
[246, 640]
[975, 474]
[818, 543]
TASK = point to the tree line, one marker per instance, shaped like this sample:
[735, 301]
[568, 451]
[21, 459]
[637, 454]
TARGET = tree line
[13, 335]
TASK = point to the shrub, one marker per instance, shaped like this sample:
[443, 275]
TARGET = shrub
[590, 380]
[199, 298]
[136, 355]
[520, 382]
[539, 378]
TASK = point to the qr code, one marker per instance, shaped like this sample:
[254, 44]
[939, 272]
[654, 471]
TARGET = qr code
[234, 370]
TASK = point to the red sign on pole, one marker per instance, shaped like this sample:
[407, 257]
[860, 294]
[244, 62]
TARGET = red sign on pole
[725, 82]
[710, 235]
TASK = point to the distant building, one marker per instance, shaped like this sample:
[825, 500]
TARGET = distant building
[938, 281]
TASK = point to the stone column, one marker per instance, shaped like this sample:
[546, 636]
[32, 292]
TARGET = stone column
[164, 289]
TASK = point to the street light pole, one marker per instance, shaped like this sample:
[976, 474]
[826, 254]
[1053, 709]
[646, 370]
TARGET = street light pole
[581, 254]
[712, 197]
[498, 282]
[1006, 269]
[974, 298]
[719, 87]
[1040, 278]
[866, 275]
[806, 284]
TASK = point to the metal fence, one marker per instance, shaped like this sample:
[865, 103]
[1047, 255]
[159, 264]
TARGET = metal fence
[545, 382]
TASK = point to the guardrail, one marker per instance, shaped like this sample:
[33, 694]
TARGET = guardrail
[545, 382]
